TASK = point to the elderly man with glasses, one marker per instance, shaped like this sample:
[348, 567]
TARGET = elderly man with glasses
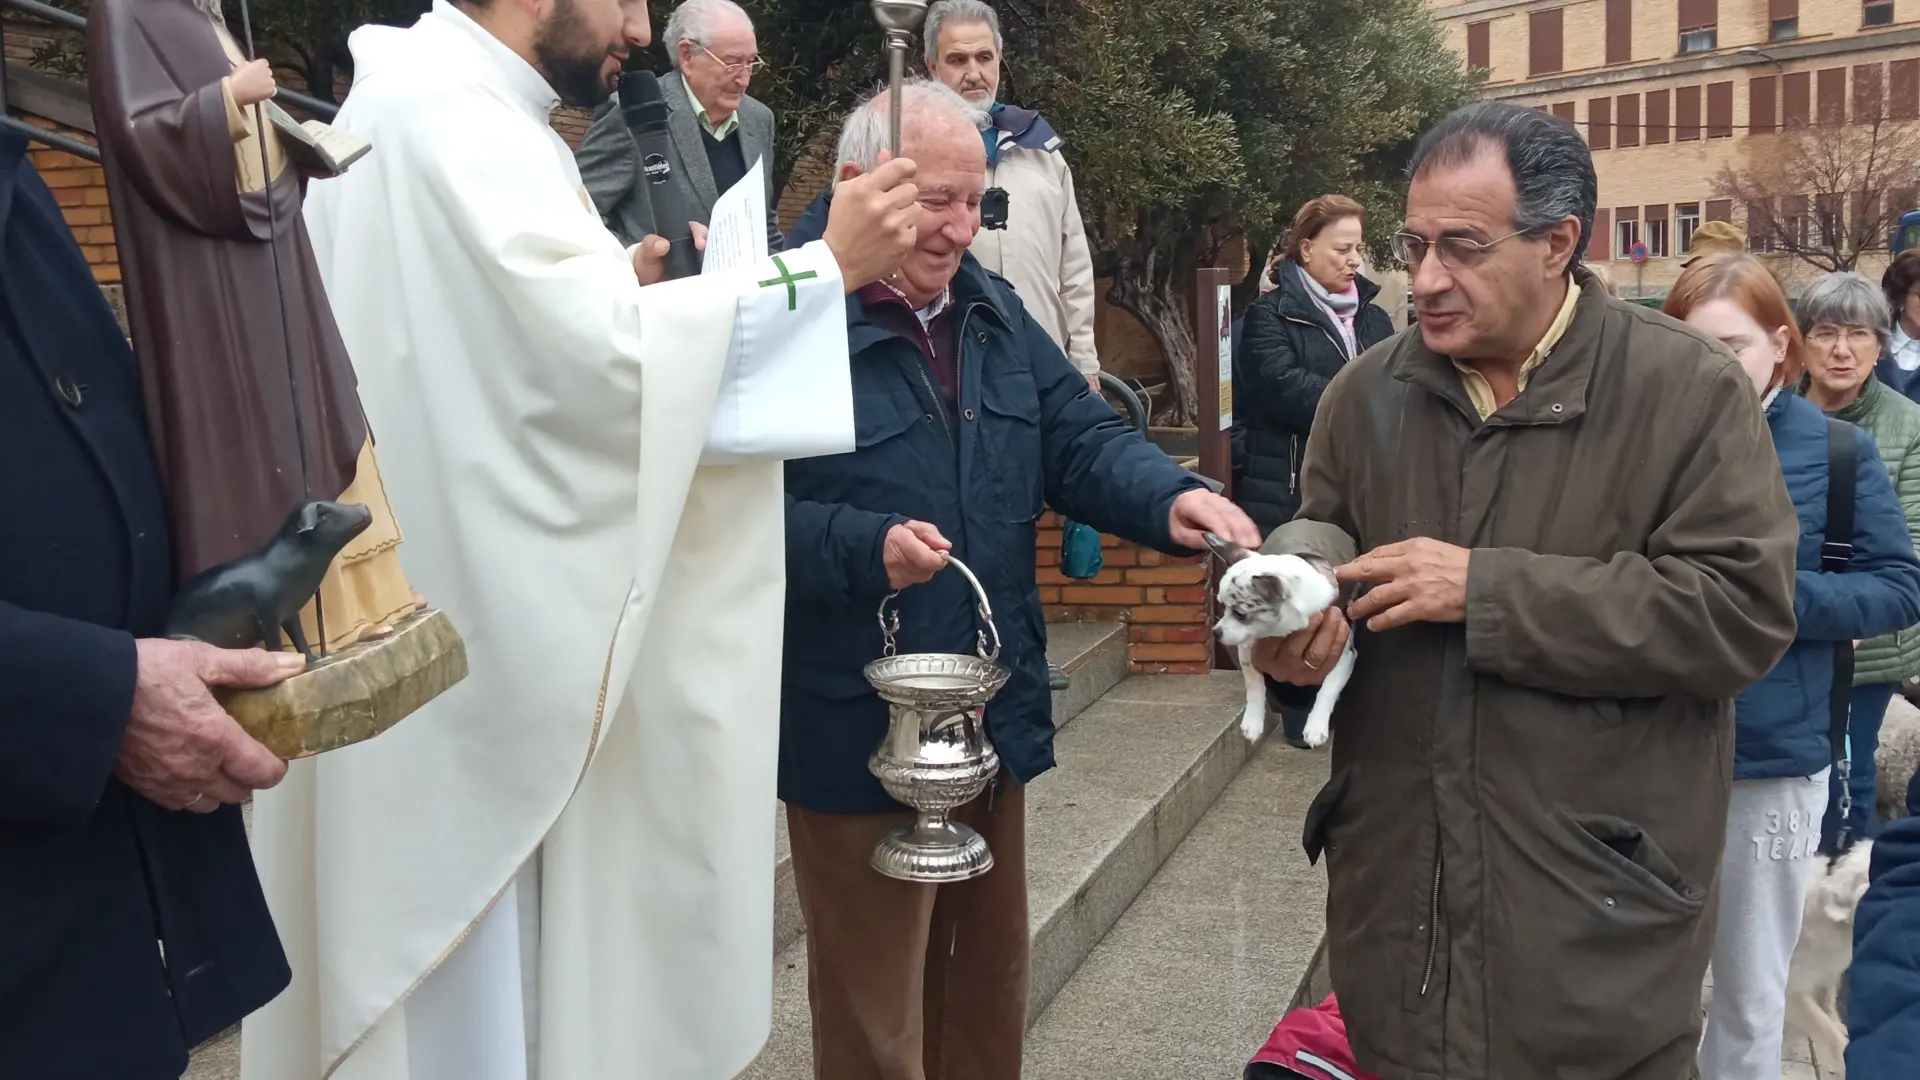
[1574, 549]
[718, 130]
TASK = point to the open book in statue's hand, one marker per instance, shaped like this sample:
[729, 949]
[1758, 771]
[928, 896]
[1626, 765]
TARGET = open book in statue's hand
[317, 149]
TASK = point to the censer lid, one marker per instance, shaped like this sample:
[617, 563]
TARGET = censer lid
[930, 679]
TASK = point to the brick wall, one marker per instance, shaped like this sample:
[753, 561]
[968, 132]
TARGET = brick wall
[1161, 598]
[80, 187]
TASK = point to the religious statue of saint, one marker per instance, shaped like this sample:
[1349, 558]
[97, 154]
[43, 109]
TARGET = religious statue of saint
[250, 397]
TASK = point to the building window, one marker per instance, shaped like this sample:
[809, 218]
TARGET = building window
[1479, 50]
[1699, 25]
[1600, 234]
[1796, 98]
[1619, 31]
[1626, 233]
[1720, 110]
[1869, 93]
[1762, 94]
[1783, 20]
[1687, 222]
[1543, 43]
[1830, 86]
[1878, 13]
[1656, 234]
[1686, 106]
[1600, 123]
[1760, 228]
[1658, 104]
[1626, 120]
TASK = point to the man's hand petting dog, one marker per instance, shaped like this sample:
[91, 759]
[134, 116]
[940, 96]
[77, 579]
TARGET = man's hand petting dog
[1417, 580]
[1304, 658]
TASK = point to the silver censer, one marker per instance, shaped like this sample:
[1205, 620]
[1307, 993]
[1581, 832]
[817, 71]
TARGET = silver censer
[936, 756]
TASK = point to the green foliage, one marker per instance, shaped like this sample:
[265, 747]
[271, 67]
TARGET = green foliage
[1180, 114]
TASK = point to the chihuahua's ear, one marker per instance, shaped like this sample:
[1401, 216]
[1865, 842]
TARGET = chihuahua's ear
[309, 517]
[1228, 551]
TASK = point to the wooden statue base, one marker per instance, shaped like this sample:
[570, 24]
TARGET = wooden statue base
[355, 693]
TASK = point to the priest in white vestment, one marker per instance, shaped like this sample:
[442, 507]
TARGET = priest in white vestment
[563, 867]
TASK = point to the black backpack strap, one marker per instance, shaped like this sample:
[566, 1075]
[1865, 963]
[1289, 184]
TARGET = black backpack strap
[1835, 555]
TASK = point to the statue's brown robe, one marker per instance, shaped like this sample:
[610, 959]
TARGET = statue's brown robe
[190, 211]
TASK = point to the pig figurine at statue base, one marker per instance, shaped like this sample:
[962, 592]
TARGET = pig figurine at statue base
[248, 601]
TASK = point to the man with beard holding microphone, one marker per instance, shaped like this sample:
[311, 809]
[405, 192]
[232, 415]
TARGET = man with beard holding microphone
[563, 867]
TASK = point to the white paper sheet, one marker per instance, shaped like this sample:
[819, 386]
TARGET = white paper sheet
[737, 231]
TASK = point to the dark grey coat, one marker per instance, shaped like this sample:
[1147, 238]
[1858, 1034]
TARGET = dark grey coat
[610, 163]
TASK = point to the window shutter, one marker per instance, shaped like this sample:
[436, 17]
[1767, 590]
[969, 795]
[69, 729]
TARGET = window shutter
[1657, 213]
[1869, 93]
[1564, 110]
[1686, 109]
[1479, 50]
[1698, 14]
[1600, 241]
[1783, 9]
[1719, 110]
[1720, 210]
[1796, 98]
[1626, 120]
[1619, 31]
[1543, 42]
[1657, 101]
[1600, 123]
[1903, 89]
[1761, 92]
[1831, 84]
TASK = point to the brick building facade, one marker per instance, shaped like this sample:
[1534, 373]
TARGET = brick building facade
[1668, 93]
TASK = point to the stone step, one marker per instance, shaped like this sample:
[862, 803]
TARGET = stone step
[1193, 977]
[1094, 656]
[1137, 770]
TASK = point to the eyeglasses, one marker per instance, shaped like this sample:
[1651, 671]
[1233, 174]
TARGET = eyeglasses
[1861, 338]
[749, 69]
[1456, 252]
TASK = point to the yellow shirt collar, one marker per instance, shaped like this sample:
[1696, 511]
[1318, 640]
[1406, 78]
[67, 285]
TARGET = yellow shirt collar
[1481, 391]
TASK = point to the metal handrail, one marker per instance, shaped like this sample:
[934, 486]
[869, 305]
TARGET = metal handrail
[324, 110]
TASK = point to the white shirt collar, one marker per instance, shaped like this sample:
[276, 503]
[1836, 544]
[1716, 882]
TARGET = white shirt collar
[1906, 351]
[524, 81]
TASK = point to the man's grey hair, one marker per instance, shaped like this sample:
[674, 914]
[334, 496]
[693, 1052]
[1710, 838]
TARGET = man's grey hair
[865, 132]
[694, 21]
[962, 12]
[1845, 298]
[211, 9]
[1551, 165]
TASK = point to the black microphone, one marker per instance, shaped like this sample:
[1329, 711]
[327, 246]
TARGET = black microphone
[645, 112]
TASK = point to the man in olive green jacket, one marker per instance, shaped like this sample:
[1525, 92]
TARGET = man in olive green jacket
[1579, 549]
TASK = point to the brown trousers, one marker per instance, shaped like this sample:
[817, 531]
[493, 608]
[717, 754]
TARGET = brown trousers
[911, 981]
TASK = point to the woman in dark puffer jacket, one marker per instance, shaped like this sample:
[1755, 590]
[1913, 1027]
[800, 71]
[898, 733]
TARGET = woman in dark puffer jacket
[1294, 341]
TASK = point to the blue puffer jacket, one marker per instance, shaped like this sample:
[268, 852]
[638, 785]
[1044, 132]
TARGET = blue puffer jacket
[1029, 434]
[1781, 721]
[1883, 987]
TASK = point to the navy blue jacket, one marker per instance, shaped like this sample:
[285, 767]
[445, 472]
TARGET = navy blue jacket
[1883, 986]
[1904, 383]
[1029, 434]
[92, 874]
[1781, 721]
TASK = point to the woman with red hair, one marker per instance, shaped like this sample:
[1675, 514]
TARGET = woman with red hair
[1782, 752]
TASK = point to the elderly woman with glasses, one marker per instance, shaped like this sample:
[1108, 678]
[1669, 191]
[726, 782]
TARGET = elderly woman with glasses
[1846, 322]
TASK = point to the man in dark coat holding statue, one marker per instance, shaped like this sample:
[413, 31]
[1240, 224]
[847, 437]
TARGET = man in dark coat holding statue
[132, 925]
